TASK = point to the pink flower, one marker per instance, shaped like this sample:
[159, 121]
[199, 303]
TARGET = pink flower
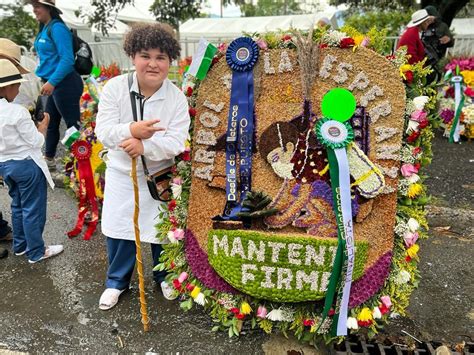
[469, 92]
[386, 301]
[418, 115]
[410, 238]
[178, 234]
[183, 276]
[408, 170]
[222, 47]
[365, 42]
[262, 44]
[177, 181]
[262, 312]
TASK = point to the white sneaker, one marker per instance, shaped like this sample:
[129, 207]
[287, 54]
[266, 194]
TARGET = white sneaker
[109, 298]
[21, 253]
[51, 250]
[168, 292]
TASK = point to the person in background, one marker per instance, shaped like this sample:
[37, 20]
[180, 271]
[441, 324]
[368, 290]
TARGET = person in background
[159, 137]
[437, 38]
[323, 22]
[23, 169]
[54, 47]
[420, 20]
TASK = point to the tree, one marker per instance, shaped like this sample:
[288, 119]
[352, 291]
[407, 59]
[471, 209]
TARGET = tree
[447, 9]
[18, 27]
[270, 8]
[392, 20]
[174, 12]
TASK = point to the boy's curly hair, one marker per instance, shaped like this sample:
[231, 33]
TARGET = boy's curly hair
[144, 36]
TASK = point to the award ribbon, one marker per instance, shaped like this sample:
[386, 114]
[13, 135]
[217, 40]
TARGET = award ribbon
[82, 150]
[458, 104]
[241, 56]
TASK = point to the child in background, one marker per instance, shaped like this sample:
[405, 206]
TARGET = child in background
[23, 168]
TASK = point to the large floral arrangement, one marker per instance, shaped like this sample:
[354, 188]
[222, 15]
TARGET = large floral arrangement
[188, 265]
[465, 68]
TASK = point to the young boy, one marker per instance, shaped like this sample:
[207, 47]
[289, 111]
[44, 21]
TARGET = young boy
[23, 168]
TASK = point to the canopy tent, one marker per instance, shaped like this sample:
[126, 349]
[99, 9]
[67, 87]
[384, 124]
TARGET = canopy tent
[226, 28]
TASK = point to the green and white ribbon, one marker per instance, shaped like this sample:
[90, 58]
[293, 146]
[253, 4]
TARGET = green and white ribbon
[454, 134]
[70, 136]
[202, 59]
[335, 136]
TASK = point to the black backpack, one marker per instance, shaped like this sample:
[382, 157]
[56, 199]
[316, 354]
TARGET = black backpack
[82, 52]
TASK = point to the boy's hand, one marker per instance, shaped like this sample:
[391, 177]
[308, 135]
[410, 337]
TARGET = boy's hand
[133, 147]
[43, 125]
[47, 89]
[144, 129]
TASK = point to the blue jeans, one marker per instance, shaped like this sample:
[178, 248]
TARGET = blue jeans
[27, 188]
[64, 102]
[122, 255]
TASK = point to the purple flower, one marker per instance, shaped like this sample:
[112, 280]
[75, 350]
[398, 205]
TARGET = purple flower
[447, 115]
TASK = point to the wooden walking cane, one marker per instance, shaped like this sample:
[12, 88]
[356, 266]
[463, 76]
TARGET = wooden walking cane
[141, 281]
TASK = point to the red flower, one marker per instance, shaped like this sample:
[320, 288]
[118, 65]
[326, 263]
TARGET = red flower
[469, 92]
[240, 316]
[364, 323]
[189, 91]
[192, 112]
[286, 38]
[308, 322]
[413, 137]
[172, 205]
[417, 166]
[409, 76]
[323, 45]
[384, 309]
[331, 312]
[346, 42]
[86, 96]
[172, 264]
[450, 92]
[176, 284]
[93, 125]
[408, 258]
[173, 221]
[423, 123]
[190, 287]
[215, 60]
[235, 310]
[417, 150]
[186, 156]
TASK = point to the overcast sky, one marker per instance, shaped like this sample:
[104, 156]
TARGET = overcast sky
[214, 8]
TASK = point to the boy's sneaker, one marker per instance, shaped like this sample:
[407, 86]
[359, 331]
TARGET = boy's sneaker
[51, 163]
[51, 250]
[168, 292]
[21, 253]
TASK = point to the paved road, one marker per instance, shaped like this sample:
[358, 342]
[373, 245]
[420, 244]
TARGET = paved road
[52, 306]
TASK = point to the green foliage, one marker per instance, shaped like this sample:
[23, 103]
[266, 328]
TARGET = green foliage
[392, 21]
[271, 8]
[20, 27]
[174, 12]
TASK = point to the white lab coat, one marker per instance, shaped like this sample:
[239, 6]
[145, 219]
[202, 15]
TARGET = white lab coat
[170, 106]
[19, 137]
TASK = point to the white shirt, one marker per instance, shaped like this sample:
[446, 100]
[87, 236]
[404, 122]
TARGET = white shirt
[19, 138]
[170, 106]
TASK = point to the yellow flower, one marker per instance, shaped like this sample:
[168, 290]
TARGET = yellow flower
[468, 76]
[406, 67]
[413, 250]
[187, 144]
[245, 308]
[365, 315]
[195, 292]
[358, 39]
[414, 190]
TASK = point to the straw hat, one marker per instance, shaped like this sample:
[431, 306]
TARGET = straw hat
[9, 74]
[418, 18]
[51, 3]
[10, 50]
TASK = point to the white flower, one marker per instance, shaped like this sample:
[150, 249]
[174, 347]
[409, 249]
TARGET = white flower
[200, 299]
[275, 315]
[171, 237]
[376, 313]
[413, 178]
[352, 323]
[413, 225]
[412, 126]
[420, 102]
[403, 277]
[176, 189]
[333, 38]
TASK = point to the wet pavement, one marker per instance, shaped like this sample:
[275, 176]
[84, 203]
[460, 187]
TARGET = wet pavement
[52, 306]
